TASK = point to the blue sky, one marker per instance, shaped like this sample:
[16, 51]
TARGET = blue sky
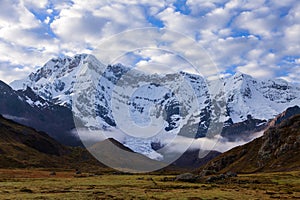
[257, 37]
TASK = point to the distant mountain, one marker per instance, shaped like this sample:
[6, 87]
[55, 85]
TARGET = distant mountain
[277, 150]
[116, 155]
[55, 80]
[24, 147]
[243, 130]
[190, 159]
[26, 107]
[245, 95]
[250, 102]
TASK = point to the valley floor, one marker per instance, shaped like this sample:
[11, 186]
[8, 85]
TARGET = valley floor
[39, 184]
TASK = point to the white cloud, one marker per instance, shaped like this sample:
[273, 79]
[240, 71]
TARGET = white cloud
[47, 20]
[256, 70]
[217, 143]
[293, 74]
[234, 32]
[14, 14]
[9, 72]
[260, 22]
[15, 118]
[35, 4]
[24, 42]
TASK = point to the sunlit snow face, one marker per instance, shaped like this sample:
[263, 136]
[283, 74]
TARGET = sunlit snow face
[131, 94]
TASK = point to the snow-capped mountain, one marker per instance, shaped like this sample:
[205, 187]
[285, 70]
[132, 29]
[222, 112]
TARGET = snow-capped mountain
[262, 99]
[27, 108]
[104, 95]
[55, 80]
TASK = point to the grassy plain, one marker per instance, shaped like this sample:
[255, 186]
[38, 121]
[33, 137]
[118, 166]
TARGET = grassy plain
[39, 184]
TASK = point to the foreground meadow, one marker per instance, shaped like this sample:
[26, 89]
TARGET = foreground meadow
[39, 184]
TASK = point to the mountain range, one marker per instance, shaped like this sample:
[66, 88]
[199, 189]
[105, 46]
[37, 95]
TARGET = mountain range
[276, 150]
[50, 98]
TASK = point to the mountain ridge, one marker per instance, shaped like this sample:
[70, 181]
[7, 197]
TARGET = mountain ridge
[246, 98]
[236, 85]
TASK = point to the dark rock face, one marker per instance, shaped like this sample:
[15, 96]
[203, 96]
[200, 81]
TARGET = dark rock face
[285, 115]
[190, 159]
[205, 120]
[278, 141]
[243, 130]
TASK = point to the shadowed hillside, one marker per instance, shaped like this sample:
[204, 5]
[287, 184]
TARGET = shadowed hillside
[277, 150]
[23, 147]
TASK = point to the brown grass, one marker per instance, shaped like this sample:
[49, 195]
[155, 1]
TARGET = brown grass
[38, 184]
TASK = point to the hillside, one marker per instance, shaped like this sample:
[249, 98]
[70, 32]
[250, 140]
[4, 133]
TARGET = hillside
[277, 150]
[24, 147]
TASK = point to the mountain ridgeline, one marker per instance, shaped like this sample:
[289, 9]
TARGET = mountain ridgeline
[46, 103]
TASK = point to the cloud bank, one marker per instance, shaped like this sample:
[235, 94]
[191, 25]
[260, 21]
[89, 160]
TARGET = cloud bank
[257, 37]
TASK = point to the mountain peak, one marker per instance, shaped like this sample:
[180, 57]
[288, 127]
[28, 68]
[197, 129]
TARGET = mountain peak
[55, 82]
[242, 76]
[59, 65]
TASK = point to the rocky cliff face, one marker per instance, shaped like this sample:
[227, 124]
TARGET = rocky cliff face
[280, 142]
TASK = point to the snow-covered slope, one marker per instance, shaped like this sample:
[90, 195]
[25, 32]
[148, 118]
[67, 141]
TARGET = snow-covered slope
[55, 80]
[105, 95]
[262, 99]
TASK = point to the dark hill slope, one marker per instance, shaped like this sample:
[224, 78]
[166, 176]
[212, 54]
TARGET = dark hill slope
[277, 150]
[22, 146]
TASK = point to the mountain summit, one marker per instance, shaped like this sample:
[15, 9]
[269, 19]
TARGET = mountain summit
[245, 95]
[246, 98]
